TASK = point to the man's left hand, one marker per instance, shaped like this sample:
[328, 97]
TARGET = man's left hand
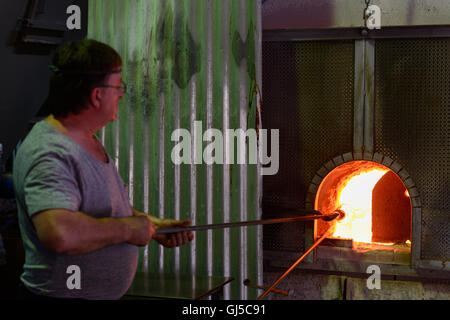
[177, 239]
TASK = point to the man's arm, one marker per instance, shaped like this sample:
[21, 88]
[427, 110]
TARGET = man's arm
[70, 232]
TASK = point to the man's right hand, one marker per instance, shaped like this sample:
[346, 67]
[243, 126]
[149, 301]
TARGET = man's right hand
[140, 230]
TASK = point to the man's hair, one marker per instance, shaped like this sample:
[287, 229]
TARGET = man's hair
[77, 68]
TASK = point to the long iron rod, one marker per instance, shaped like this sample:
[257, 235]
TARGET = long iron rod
[249, 284]
[295, 263]
[330, 216]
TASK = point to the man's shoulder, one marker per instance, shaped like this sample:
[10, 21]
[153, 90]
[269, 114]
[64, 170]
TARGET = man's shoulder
[44, 141]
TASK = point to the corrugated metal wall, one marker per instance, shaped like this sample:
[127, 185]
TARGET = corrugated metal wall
[187, 61]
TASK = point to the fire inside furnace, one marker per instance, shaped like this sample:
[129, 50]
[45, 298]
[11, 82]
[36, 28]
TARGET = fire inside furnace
[355, 199]
[375, 201]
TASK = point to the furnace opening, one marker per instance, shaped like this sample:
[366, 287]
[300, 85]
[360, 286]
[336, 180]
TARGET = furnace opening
[376, 203]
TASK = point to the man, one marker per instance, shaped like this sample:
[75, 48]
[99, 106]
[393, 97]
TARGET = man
[73, 207]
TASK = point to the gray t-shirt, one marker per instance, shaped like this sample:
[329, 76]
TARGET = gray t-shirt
[51, 171]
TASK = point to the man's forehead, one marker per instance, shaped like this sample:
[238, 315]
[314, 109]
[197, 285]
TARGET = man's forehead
[117, 76]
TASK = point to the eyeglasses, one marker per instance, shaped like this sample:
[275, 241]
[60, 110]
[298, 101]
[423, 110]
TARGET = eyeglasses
[122, 87]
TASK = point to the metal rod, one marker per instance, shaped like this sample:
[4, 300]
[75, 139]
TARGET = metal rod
[295, 263]
[327, 217]
[247, 283]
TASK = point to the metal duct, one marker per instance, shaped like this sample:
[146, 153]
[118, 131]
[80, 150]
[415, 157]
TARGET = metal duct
[311, 14]
[187, 61]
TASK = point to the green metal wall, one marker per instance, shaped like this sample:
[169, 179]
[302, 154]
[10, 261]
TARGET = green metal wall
[187, 61]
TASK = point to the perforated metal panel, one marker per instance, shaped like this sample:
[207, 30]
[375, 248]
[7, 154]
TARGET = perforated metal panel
[307, 95]
[435, 233]
[412, 125]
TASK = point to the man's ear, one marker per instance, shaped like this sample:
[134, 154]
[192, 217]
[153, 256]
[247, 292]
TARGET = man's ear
[95, 97]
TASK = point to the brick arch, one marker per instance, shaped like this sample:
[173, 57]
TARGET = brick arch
[378, 158]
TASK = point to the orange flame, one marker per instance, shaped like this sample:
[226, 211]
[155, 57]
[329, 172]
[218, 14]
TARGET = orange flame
[355, 199]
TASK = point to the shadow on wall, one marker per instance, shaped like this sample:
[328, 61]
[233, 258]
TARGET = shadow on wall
[29, 33]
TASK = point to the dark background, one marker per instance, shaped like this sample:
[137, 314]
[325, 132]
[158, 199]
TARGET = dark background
[24, 65]
[30, 31]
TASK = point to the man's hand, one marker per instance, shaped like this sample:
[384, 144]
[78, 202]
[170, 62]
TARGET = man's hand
[168, 240]
[140, 228]
[173, 239]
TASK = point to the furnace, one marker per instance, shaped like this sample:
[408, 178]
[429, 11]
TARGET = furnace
[375, 200]
[364, 128]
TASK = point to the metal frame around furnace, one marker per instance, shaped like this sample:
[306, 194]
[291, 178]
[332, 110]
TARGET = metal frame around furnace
[363, 120]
